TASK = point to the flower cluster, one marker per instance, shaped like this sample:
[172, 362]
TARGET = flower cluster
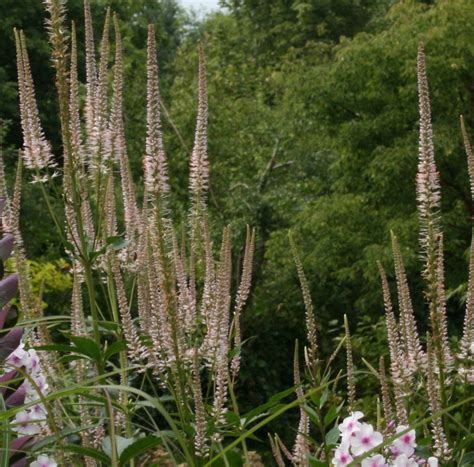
[358, 438]
[30, 421]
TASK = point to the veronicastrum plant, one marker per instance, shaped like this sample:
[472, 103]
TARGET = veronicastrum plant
[144, 372]
[427, 375]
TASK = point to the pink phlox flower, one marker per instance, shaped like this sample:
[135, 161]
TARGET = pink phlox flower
[34, 362]
[18, 358]
[342, 456]
[350, 425]
[365, 439]
[404, 461]
[406, 444]
[44, 461]
[23, 425]
[38, 412]
[375, 461]
[40, 381]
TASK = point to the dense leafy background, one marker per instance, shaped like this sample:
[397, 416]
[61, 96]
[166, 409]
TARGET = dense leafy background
[313, 127]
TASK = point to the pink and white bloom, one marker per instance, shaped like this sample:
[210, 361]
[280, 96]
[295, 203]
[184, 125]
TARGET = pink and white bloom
[18, 358]
[38, 412]
[374, 461]
[44, 461]
[432, 462]
[404, 461]
[406, 444]
[23, 425]
[342, 456]
[350, 425]
[40, 381]
[33, 365]
[365, 439]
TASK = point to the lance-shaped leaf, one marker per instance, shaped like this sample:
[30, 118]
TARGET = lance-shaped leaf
[17, 398]
[5, 378]
[8, 289]
[9, 343]
[6, 246]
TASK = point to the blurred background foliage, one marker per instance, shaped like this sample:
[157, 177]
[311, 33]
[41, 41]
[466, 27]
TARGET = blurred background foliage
[313, 127]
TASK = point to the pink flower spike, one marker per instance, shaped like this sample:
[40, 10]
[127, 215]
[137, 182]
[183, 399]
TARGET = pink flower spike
[406, 444]
[342, 456]
[375, 461]
[404, 461]
[365, 439]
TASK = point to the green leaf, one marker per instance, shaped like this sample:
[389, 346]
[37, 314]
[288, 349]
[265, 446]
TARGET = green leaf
[87, 347]
[324, 398]
[330, 416]
[121, 443]
[312, 414]
[332, 436]
[88, 452]
[117, 242]
[249, 416]
[316, 463]
[63, 348]
[116, 347]
[139, 447]
[5, 452]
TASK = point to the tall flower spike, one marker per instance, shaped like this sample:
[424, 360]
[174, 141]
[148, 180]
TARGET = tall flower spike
[468, 330]
[242, 295]
[428, 185]
[74, 113]
[91, 70]
[300, 448]
[442, 320]
[200, 437]
[130, 333]
[36, 149]
[386, 402]
[276, 451]
[155, 166]
[199, 164]
[58, 38]
[411, 340]
[308, 304]
[119, 145]
[441, 447]
[351, 393]
[99, 124]
[394, 349]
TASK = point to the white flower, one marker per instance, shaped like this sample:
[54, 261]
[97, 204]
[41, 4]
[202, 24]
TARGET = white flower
[19, 357]
[23, 425]
[365, 439]
[350, 425]
[432, 461]
[374, 461]
[406, 444]
[40, 381]
[404, 461]
[44, 461]
[471, 348]
[34, 362]
[342, 456]
[37, 412]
